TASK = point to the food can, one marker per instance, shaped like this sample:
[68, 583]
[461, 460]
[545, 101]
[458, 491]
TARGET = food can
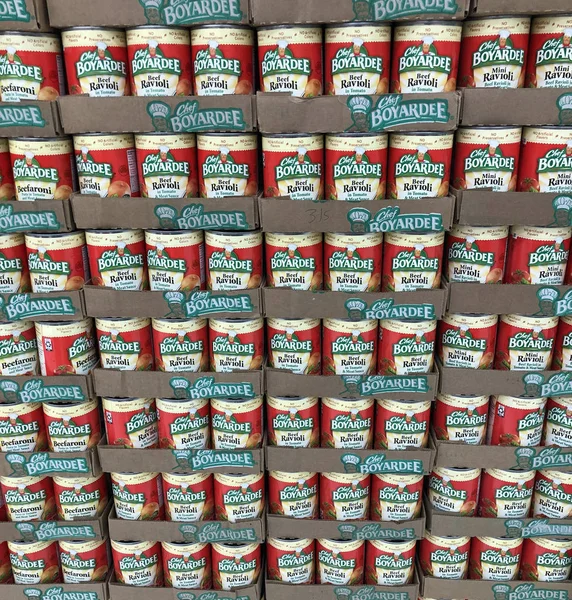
[486, 157]
[84, 561]
[106, 164]
[238, 497]
[131, 422]
[236, 565]
[292, 166]
[505, 494]
[562, 358]
[291, 560]
[558, 423]
[188, 497]
[290, 60]
[495, 559]
[396, 497]
[237, 424]
[454, 490]
[293, 494]
[176, 260]
[295, 345]
[293, 422]
[344, 496]
[125, 344]
[233, 260]
[42, 168]
[223, 60]
[7, 189]
[22, 427]
[357, 59]
[34, 562]
[29, 498]
[236, 344]
[347, 423]
[549, 63]
[401, 424]
[515, 421]
[159, 60]
[476, 254]
[32, 66]
[444, 557]
[138, 563]
[425, 57]
[552, 497]
[340, 562]
[183, 424]
[406, 347]
[467, 341]
[525, 343]
[461, 418]
[72, 427]
[14, 274]
[138, 496]
[412, 261]
[419, 165]
[18, 349]
[389, 562]
[355, 166]
[180, 345]
[84, 498]
[228, 164]
[187, 566]
[96, 61]
[349, 347]
[66, 347]
[5, 566]
[493, 52]
[117, 258]
[546, 559]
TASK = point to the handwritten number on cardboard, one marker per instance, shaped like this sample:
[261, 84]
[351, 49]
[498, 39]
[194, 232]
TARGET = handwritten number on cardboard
[318, 215]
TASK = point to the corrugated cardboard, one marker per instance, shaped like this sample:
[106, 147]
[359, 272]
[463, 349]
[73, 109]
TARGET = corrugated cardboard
[29, 118]
[54, 306]
[236, 214]
[82, 114]
[72, 464]
[41, 216]
[283, 113]
[24, 15]
[520, 7]
[36, 388]
[78, 591]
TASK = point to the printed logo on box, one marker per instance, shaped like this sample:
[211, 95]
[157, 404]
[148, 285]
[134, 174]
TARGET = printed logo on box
[35, 390]
[559, 384]
[58, 593]
[13, 222]
[201, 460]
[564, 104]
[378, 463]
[374, 531]
[531, 459]
[390, 219]
[217, 532]
[41, 463]
[194, 216]
[54, 531]
[207, 387]
[20, 116]
[198, 304]
[526, 591]
[25, 306]
[536, 528]
[367, 592]
[562, 206]
[190, 12]
[208, 596]
[386, 309]
[361, 385]
[385, 10]
[189, 117]
[552, 305]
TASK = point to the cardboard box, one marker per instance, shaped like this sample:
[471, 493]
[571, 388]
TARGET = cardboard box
[50, 591]
[37, 388]
[283, 113]
[430, 214]
[221, 214]
[72, 464]
[24, 15]
[39, 216]
[82, 114]
[29, 118]
[107, 302]
[54, 306]
[519, 7]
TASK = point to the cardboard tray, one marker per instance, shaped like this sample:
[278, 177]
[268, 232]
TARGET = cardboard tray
[25, 15]
[519, 7]
[220, 214]
[283, 113]
[81, 591]
[54, 306]
[29, 118]
[82, 114]
[37, 388]
[39, 216]
[72, 464]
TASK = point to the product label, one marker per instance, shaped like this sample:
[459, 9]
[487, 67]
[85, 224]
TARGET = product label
[547, 458]
[378, 463]
[529, 591]
[200, 460]
[55, 531]
[552, 305]
[537, 528]
[386, 309]
[194, 216]
[25, 306]
[559, 384]
[11, 221]
[207, 387]
[58, 593]
[41, 463]
[35, 390]
[198, 304]
[218, 532]
[387, 10]
[190, 12]
[189, 117]
[379, 384]
[16, 116]
[374, 531]
[390, 219]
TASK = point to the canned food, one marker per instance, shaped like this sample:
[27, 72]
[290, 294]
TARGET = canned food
[461, 418]
[160, 61]
[238, 497]
[34, 562]
[493, 52]
[495, 559]
[401, 424]
[183, 424]
[291, 560]
[72, 427]
[558, 423]
[84, 561]
[295, 345]
[77, 499]
[454, 490]
[552, 494]
[562, 358]
[29, 498]
[138, 496]
[505, 494]
[180, 345]
[396, 497]
[347, 423]
[344, 496]
[237, 423]
[18, 349]
[125, 344]
[22, 427]
[406, 347]
[425, 57]
[131, 422]
[340, 562]
[444, 557]
[293, 422]
[515, 421]
[389, 562]
[96, 61]
[188, 497]
[7, 189]
[5, 566]
[236, 344]
[187, 566]
[138, 563]
[293, 494]
[236, 565]
[546, 559]
[14, 274]
[349, 347]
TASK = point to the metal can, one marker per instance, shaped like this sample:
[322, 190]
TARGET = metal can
[412, 261]
[236, 344]
[125, 344]
[495, 559]
[401, 424]
[406, 347]
[293, 494]
[552, 497]
[183, 424]
[419, 165]
[14, 274]
[562, 357]
[389, 562]
[131, 422]
[138, 496]
[356, 59]
[34, 562]
[138, 563]
[238, 497]
[32, 66]
[425, 57]
[160, 61]
[237, 424]
[84, 498]
[228, 164]
[454, 490]
[344, 496]
[223, 60]
[106, 164]
[72, 427]
[180, 345]
[396, 497]
[505, 494]
[187, 566]
[7, 188]
[444, 557]
[293, 166]
[558, 423]
[29, 498]
[349, 347]
[293, 422]
[96, 61]
[18, 349]
[291, 560]
[340, 562]
[295, 345]
[188, 497]
[290, 60]
[461, 418]
[515, 421]
[347, 423]
[546, 559]
[236, 565]
[22, 427]
[84, 561]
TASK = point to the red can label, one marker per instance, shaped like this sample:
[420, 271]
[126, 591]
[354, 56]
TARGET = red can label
[238, 497]
[18, 349]
[515, 421]
[29, 498]
[347, 423]
[236, 424]
[495, 559]
[84, 498]
[505, 494]
[34, 562]
[131, 422]
[546, 559]
[349, 347]
[14, 274]
[187, 566]
[295, 345]
[552, 495]
[396, 497]
[138, 563]
[180, 345]
[454, 490]
[344, 497]
[389, 562]
[236, 565]
[188, 497]
[7, 189]
[183, 424]
[406, 347]
[138, 496]
[84, 562]
[444, 557]
[293, 494]
[401, 425]
[5, 566]
[558, 423]
[293, 422]
[72, 427]
[125, 344]
[461, 418]
[291, 560]
[236, 344]
[340, 562]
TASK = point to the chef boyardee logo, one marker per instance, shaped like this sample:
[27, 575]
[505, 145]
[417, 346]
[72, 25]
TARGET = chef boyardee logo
[12, 221]
[16, 116]
[552, 305]
[368, 592]
[194, 216]
[54, 531]
[14, 10]
[188, 117]
[207, 387]
[36, 390]
[386, 10]
[198, 304]
[41, 463]
[530, 591]
[559, 384]
[546, 458]
[374, 531]
[190, 12]
[358, 385]
[564, 104]
[378, 463]
[536, 528]
[199, 460]
[26, 306]
[389, 219]
[151, 59]
[58, 593]
[281, 61]
[99, 62]
[12, 67]
[163, 164]
[386, 309]
[489, 158]
[212, 61]
[562, 206]
[217, 532]
[87, 166]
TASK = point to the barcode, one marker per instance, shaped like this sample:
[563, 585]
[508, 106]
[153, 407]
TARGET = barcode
[133, 178]
[61, 74]
[202, 261]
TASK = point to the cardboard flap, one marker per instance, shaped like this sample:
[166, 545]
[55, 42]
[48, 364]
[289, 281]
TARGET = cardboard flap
[29, 118]
[54, 306]
[91, 591]
[221, 214]
[24, 15]
[276, 590]
[283, 113]
[37, 388]
[42, 216]
[82, 114]
[520, 7]
[119, 591]
[73, 464]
